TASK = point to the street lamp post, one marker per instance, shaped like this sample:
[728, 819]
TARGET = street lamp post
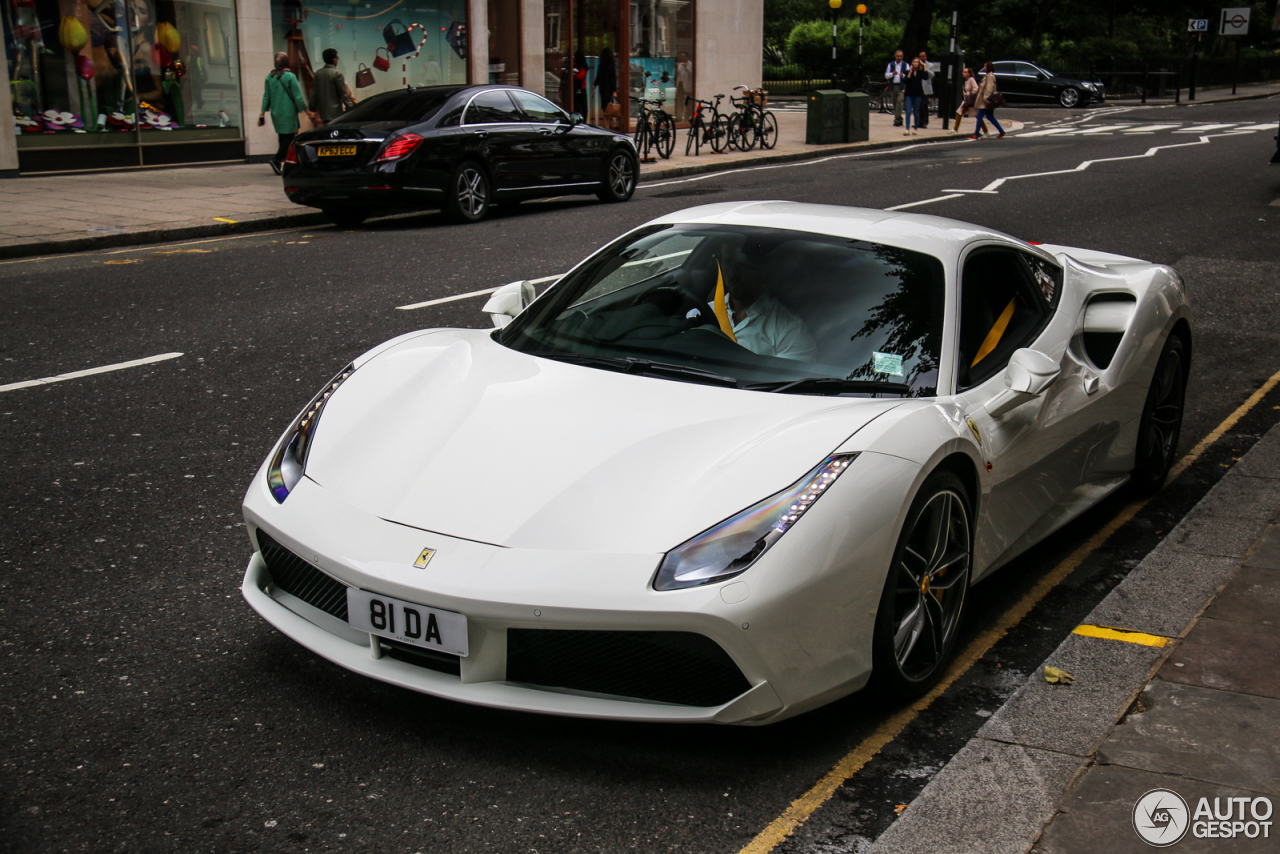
[861, 9]
[835, 67]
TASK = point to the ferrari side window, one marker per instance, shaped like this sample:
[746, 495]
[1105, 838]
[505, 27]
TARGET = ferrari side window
[1048, 277]
[1002, 309]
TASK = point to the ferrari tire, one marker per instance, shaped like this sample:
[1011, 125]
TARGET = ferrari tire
[1069, 97]
[1161, 421]
[470, 195]
[620, 172]
[923, 599]
[346, 217]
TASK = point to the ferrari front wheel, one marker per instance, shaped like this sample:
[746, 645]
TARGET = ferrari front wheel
[924, 595]
[1161, 420]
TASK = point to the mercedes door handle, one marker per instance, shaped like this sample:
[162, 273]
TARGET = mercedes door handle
[481, 134]
[545, 131]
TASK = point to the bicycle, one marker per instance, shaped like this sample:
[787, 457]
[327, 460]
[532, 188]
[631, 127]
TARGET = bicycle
[752, 124]
[713, 132]
[655, 128]
[879, 94]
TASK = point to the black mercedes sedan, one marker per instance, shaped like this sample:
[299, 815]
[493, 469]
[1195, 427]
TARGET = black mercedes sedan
[461, 149]
[1027, 83]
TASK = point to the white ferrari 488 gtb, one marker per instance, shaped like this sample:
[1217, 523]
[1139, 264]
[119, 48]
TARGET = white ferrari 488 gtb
[730, 467]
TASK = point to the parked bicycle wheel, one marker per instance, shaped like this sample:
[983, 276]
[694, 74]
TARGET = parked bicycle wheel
[694, 140]
[718, 134]
[767, 133]
[664, 136]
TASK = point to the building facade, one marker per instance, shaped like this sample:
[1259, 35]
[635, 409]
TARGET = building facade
[103, 84]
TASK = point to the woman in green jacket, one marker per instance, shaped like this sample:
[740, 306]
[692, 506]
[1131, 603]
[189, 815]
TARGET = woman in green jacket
[283, 97]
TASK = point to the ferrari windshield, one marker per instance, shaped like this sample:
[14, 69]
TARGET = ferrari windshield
[760, 308]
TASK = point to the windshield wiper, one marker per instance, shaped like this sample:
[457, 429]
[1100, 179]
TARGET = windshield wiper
[634, 365]
[831, 385]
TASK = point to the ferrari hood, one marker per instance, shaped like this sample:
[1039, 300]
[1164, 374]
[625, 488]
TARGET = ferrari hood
[452, 433]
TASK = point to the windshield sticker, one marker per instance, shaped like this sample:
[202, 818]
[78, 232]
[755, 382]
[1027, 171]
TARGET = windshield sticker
[886, 363]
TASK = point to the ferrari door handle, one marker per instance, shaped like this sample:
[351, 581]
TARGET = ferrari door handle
[1090, 384]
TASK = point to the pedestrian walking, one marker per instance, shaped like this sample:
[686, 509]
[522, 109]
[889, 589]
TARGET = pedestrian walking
[580, 83]
[913, 83]
[283, 97]
[923, 118]
[988, 98]
[970, 95]
[330, 96]
[684, 86]
[894, 73]
[606, 84]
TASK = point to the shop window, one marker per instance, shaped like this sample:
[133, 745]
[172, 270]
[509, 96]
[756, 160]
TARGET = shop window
[373, 33]
[504, 42]
[662, 46]
[117, 73]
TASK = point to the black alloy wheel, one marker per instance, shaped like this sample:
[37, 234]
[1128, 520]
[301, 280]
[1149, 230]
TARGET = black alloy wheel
[924, 595]
[1069, 97]
[346, 217]
[620, 177]
[1161, 421]
[469, 194]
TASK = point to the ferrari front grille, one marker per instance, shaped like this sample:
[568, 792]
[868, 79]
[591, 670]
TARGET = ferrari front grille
[295, 576]
[668, 667]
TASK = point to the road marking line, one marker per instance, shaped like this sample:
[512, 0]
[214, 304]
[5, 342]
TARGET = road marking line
[806, 805]
[1150, 128]
[1046, 132]
[924, 202]
[89, 372]
[1101, 129]
[1271, 126]
[1108, 633]
[457, 297]
[1207, 128]
[224, 219]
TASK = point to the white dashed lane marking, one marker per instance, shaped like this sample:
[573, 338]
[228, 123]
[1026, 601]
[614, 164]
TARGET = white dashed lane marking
[120, 366]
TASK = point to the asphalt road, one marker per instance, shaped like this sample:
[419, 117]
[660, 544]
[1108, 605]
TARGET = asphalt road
[146, 708]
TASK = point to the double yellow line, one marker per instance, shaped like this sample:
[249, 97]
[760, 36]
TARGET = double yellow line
[808, 803]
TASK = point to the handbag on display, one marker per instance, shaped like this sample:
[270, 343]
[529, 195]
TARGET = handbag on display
[400, 43]
[364, 76]
[380, 62]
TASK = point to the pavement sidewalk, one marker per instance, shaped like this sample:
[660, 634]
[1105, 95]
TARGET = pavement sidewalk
[50, 214]
[1177, 688]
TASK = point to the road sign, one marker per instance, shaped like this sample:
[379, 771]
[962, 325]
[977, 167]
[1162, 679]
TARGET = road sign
[1198, 25]
[1235, 21]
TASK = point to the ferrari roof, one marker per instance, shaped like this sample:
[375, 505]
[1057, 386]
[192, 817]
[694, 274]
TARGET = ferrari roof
[934, 235]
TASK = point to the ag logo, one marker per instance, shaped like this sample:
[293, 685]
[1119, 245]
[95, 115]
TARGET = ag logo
[1160, 817]
[424, 558]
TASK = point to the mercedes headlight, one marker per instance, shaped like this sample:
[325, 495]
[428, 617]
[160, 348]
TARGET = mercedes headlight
[290, 461]
[732, 546]
[1091, 87]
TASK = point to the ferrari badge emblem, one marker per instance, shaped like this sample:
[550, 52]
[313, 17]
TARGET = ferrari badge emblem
[973, 428]
[424, 558]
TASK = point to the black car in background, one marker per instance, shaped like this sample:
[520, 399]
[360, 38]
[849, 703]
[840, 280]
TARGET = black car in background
[1027, 83]
[457, 148]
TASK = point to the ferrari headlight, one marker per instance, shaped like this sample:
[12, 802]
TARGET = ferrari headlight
[290, 461]
[731, 547]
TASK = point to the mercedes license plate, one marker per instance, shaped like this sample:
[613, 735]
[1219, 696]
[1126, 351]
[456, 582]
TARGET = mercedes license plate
[407, 622]
[337, 151]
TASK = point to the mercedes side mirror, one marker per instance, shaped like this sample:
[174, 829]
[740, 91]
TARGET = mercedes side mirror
[508, 301]
[1026, 377]
[576, 119]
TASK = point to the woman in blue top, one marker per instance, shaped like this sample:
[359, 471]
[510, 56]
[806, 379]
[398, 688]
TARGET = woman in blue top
[283, 97]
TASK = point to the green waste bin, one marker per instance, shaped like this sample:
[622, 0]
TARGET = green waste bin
[825, 121]
[857, 117]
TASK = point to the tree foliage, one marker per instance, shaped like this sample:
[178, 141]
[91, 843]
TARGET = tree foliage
[1075, 34]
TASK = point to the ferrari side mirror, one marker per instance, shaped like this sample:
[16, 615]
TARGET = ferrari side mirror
[508, 301]
[1026, 377]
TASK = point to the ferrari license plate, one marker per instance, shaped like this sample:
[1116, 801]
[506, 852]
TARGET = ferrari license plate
[407, 622]
[337, 151]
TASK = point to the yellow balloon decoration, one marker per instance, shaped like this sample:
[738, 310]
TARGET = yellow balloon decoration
[72, 34]
[167, 35]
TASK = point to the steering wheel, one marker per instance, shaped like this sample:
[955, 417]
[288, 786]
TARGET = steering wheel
[674, 301]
